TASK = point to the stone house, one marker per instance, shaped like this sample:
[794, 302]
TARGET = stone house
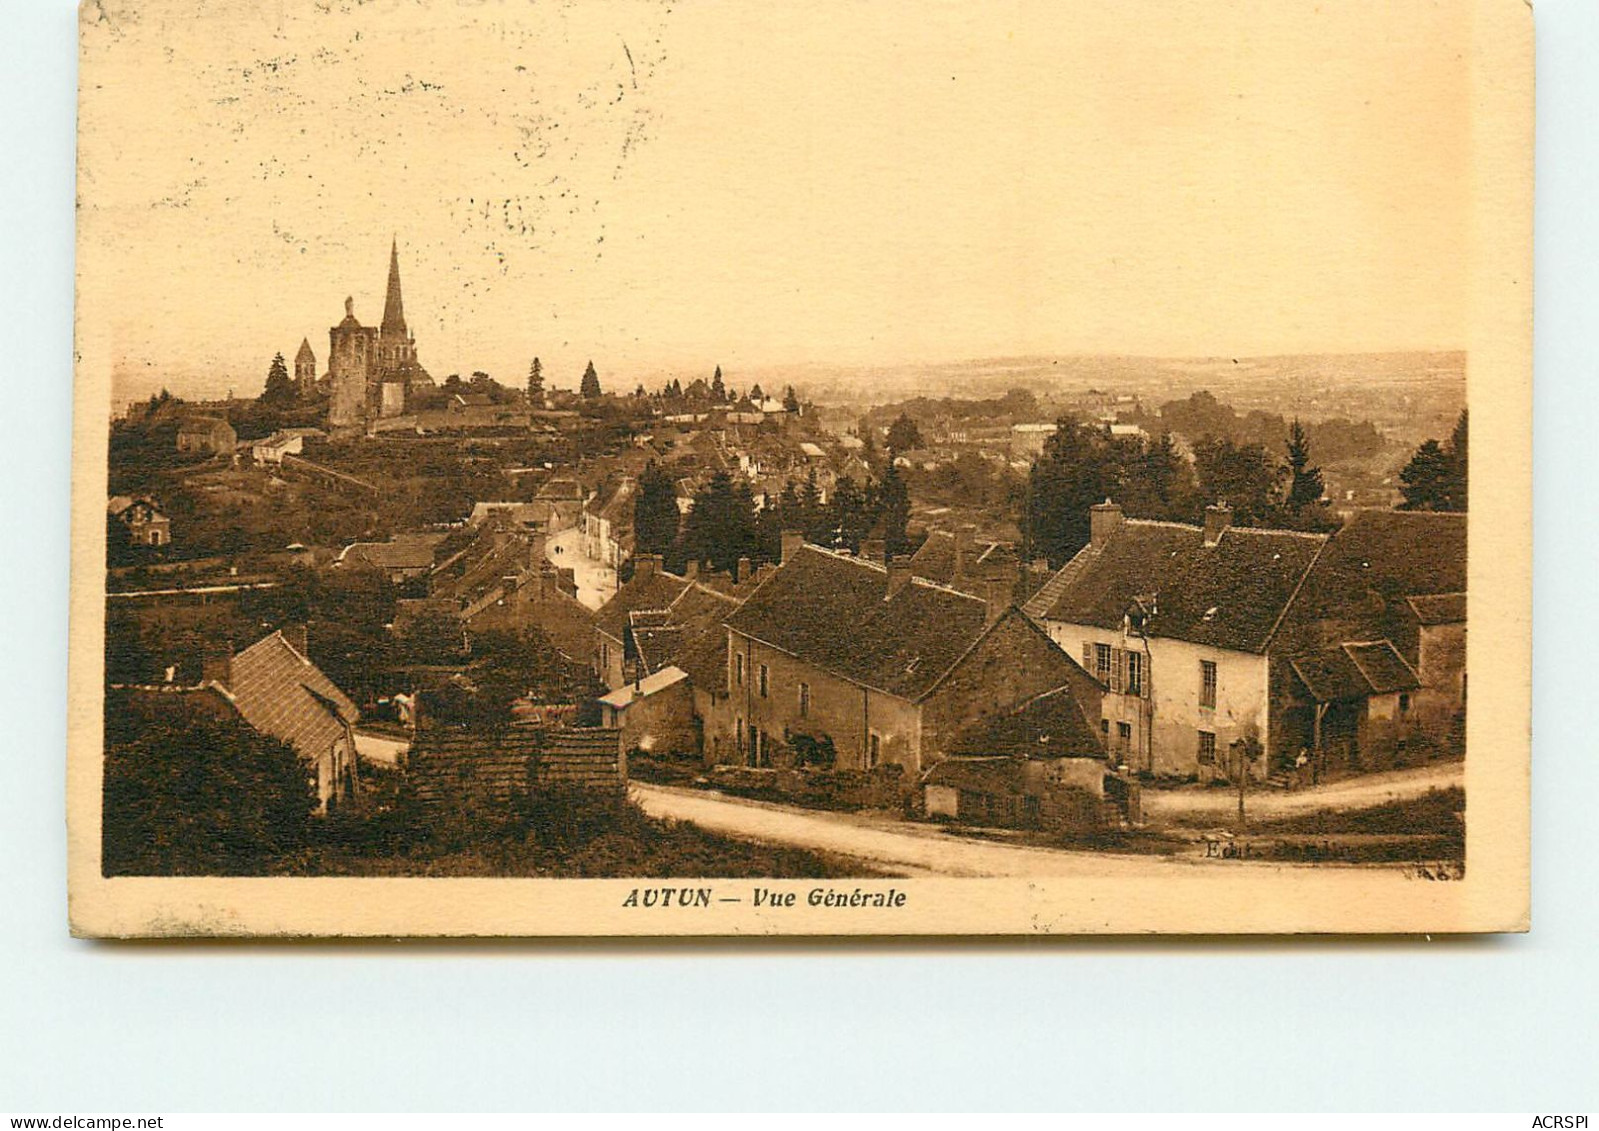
[654, 713]
[1021, 767]
[1377, 640]
[858, 664]
[207, 435]
[1222, 645]
[1179, 622]
[147, 525]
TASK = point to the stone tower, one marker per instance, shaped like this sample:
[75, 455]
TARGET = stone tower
[305, 368]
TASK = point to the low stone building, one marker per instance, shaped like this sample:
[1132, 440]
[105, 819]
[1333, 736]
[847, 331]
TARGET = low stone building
[844, 661]
[654, 713]
[207, 435]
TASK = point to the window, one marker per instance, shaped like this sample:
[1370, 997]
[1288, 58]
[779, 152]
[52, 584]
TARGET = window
[1135, 673]
[738, 733]
[1102, 663]
[1404, 702]
[765, 681]
[1207, 748]
[1207, 686]
[605, 655]
[804, 700]
[738, 669]
[1124, 735]
[874, 749]
[1104, 726]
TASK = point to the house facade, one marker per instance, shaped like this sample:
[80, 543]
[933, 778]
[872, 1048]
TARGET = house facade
[608, 522]
[1177, 621]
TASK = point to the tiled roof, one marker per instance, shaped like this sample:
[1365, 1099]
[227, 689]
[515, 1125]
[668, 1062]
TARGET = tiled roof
[935, 559]
[280, 692]
[1051, 725]
[1371, 567]
[1392, 554]
[1231, 595]
[1441, 608]
[999, 776]
[560, 489]
[615, 501]
[403, 551]
[656, 681]
[834, 612]
[1354, 671]
[647, 590]
[1382, 667]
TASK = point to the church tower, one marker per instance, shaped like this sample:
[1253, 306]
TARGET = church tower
[395, 345]
[305, 368]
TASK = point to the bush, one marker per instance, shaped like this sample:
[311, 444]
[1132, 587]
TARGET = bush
[189, 790]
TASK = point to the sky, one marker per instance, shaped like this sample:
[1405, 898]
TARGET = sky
[665, 187]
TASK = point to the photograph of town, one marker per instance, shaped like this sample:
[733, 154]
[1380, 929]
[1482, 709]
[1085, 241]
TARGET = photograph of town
[580, 442]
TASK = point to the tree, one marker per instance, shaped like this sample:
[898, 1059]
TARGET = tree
[279, 389]
[894, 511]
[1068, 477]
[721, 528]
[790, 401]
[755, 394]
[655, 514]
[1305, 486]
[718, 390]
[590, 387]
[1435, 479]
[191, 789]
[1428, 480]
[1244, 476]
[535, 383]
[903, 435]
[852, 513]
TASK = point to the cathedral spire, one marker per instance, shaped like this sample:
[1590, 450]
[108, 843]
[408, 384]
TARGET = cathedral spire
[393, 308]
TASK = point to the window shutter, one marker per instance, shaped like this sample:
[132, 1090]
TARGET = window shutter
[1088, 658]
[1118, 677]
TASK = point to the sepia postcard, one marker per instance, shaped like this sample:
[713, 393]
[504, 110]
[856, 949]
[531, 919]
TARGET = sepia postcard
[569, 469]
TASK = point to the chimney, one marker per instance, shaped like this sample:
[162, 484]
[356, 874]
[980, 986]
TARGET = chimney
[1104, 519]
[646, 565]
[535, 549]
[1217, 519]
[297, 637]
[962, 540]
[899, 572]
[743, 573]
[691, 569]
[874, 550]
[792, 541]
[216, 664]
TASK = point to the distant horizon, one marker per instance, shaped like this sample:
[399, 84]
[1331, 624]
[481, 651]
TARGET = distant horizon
[129, 386]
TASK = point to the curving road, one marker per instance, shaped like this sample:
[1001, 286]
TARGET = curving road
[899, 846]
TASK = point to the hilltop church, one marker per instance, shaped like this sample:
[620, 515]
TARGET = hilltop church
[372, 370]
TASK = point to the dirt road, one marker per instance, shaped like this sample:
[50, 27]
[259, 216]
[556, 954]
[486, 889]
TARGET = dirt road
[1352, 793]
[896, 846]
